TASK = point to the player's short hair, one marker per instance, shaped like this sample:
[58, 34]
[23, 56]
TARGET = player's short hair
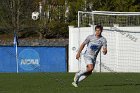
[99, 27]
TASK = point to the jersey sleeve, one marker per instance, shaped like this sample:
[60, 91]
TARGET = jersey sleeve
[104, 43]
[87, 40]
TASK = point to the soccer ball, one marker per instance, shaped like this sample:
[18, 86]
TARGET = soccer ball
[35, 15]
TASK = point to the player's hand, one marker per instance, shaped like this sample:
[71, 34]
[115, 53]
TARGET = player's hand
[78, 56]
[104, 51]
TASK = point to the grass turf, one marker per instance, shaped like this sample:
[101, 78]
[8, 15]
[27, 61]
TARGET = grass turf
[61, 83]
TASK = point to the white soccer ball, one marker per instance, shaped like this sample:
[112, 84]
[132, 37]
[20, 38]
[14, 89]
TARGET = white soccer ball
[35, 15]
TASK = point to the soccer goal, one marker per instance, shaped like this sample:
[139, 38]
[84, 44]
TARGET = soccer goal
[122, 31]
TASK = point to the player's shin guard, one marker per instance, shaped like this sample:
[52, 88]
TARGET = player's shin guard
[82, 72]
[80, 75]
[82, 78]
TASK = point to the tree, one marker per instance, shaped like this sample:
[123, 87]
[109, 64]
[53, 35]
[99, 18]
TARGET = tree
[125, 5]
[14, 14]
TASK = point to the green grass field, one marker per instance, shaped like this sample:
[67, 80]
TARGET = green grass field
[61, 83]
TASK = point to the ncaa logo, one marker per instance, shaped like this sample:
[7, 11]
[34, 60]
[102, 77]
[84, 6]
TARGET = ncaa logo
[29, 59]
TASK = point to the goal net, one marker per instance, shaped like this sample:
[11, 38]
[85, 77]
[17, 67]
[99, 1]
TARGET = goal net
[122, 31]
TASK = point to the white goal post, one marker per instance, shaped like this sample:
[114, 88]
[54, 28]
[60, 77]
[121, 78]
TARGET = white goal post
[122, 31]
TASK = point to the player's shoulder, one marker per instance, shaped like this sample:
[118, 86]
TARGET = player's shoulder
[91, 36]
[103, 38]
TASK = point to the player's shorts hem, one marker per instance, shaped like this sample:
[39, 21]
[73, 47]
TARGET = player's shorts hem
[89, 60]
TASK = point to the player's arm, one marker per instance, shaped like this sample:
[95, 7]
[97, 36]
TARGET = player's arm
[80, 50]
[104, 47]
[82, 47]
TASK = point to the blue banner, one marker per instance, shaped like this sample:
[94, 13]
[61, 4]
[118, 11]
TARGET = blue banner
[33, 59]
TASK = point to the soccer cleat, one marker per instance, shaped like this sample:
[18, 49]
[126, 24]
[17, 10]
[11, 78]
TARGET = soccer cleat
[74, 84]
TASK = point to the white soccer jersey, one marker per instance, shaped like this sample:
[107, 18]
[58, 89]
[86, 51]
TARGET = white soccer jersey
[94, 45]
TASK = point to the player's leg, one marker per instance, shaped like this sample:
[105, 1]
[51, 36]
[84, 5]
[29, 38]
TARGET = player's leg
[90, 68]
[82, 74]
[78, 78]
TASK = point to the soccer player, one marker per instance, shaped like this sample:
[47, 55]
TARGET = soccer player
[94, 44]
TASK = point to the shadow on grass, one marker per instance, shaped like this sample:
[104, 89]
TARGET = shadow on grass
[129, 84]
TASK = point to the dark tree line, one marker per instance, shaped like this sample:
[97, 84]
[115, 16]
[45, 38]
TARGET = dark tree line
[15, 15]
